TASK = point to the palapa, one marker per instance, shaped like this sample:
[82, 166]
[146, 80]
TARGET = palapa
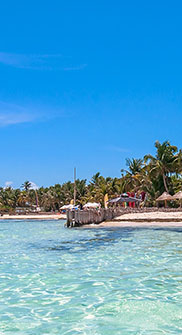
[178, 195]
[165, 197]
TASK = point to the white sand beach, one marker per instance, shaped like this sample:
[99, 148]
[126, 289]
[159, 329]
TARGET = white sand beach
[150, 216]
[150, 219]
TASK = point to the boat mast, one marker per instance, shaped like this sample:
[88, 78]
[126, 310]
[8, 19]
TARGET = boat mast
[75, 186]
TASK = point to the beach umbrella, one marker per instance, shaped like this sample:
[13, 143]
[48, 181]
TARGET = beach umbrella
[124, 195]
[124, 199]
[67, 207]
[165, 197]
[115, 200]
[92, 205]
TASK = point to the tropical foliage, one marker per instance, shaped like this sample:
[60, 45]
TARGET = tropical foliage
[152, 174]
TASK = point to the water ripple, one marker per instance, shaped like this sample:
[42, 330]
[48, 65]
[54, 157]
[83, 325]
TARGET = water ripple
[89, 282]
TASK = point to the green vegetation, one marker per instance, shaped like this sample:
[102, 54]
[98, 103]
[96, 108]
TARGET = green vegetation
[152, 174]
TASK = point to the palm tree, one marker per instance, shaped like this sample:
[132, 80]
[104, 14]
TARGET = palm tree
[165, 162]
[95, 179]
[134, 165]
[23, 198]
[7, 197]
[26, 185]
[81, 189]
[130, 180]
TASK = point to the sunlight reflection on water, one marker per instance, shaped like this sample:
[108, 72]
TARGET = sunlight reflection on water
[55, 280]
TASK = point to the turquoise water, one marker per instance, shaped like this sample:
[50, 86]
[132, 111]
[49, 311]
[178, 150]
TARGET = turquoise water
[55, 280]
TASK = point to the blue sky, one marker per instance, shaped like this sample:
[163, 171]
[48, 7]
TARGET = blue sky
[86, 84]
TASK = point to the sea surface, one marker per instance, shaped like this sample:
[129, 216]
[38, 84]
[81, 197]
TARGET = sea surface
[121, 281]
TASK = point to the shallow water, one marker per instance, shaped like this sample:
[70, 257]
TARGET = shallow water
[55, 280]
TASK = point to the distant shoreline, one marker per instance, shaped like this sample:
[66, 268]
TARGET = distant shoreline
[34, 217]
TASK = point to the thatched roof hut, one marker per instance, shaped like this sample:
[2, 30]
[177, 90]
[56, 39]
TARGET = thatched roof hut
[178, 195]
[165, 197]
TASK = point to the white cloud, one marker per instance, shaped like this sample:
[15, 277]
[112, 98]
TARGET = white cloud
[12, 114]
[14, 118]
[39, 62]
[34, 186]
[8, 184]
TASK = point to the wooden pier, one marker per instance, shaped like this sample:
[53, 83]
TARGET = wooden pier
[83, 217]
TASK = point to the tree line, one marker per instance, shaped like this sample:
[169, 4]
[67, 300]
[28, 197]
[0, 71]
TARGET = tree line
[151, 174]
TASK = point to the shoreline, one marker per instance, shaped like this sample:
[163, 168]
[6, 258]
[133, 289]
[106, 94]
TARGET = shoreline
[34, 217]
[125, 224]
[138, 220]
